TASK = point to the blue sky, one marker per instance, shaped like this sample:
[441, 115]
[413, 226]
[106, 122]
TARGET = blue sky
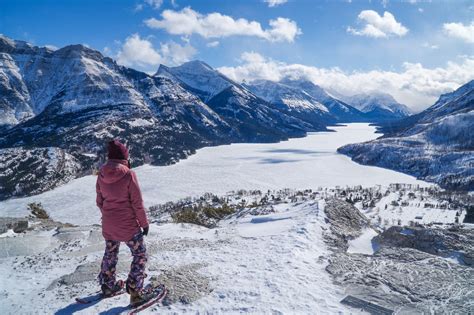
[352, 37]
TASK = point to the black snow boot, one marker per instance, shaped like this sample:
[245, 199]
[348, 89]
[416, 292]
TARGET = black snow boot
[108, 291]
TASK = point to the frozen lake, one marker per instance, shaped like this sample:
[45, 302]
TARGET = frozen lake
[300, 163]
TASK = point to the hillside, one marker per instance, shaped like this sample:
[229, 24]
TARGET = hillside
[435, 145]
[253, 256]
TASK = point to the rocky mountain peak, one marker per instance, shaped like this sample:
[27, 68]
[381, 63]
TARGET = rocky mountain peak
[12, 46]
[78, 51]
[378, 101]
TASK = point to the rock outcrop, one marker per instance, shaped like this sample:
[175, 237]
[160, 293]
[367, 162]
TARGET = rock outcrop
[414, 270]
[455, 243]
[18, 225]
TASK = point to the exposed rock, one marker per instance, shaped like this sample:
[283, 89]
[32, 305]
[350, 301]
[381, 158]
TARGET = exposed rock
[18, 225]
[406, 280]
[406, 273]
[455, 242]
[346, 223]
[185, 284]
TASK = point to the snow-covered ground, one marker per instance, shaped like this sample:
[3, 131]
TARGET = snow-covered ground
[270, 264]
[394, 209]
[300, 163]
[363, 244]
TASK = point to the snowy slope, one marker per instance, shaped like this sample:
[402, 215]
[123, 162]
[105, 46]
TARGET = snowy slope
[198, 75]
[338, 109]
[74, 77]
[435, 145]
[15, 101]
[255, 120]
[293, 101]
[256, 264]
[280, 252]
[280, 93]
[378, 106]
[251, 117]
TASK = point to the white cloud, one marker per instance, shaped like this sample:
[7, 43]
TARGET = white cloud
[156, 4]
[420, 10]
[461, 31]
[378, 26]
[414, 85]
[274, 3]
[216, 25]
[213, 44]
[138, 7]
[140, 53]
[252, 57]
[176, 54]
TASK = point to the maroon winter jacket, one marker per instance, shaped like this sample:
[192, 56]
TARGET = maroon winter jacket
[120, 201]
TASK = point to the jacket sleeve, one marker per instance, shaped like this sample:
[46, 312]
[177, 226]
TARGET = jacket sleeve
[99, 200]
[137, 201]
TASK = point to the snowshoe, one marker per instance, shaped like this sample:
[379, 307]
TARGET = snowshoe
[141, 297]
[111, 291]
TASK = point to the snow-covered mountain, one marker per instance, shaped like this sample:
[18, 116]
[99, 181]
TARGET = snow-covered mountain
[250, 116]
[311, 102]
[15, 103]
[198, 75]
[291, 100]
[77, 99]
[341, 111]
[435, 145]
[378, 106]
[73, 99]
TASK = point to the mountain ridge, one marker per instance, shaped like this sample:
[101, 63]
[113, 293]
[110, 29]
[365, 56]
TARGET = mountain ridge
[377, 105]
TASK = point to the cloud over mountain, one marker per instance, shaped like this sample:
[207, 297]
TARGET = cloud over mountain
[415, 85]
[140, 52]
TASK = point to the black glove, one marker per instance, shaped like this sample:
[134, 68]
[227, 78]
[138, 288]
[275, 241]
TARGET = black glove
[145, 231]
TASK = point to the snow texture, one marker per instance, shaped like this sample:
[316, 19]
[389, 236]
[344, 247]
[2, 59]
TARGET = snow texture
[363, 244]
[278, 268]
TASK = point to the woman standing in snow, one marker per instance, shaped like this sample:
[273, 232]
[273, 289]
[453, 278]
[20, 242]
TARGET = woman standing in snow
[123, 220]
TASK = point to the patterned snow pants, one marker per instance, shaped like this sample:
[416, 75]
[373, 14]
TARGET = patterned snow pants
[137, 269]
